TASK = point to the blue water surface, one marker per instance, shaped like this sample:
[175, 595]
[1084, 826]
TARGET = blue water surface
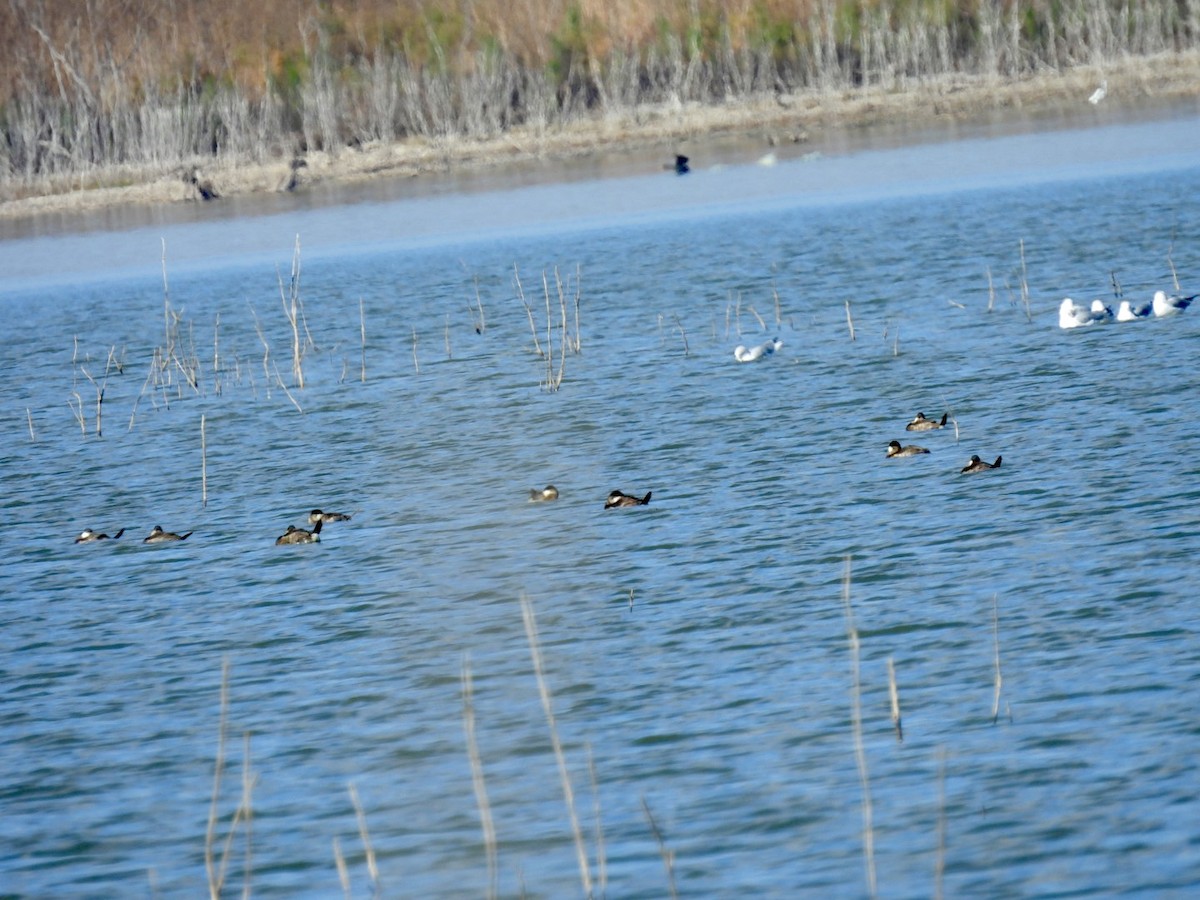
[696, 651]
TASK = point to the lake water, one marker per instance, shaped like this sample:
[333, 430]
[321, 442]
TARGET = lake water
[695, 650]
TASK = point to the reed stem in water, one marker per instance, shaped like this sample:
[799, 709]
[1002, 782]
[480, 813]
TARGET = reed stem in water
[894, 694]
[481, 797]
[372, 868]
[999, 679]
[362, 331]
[535, 652]
[203, 465]
[668, 855]
[860, 752]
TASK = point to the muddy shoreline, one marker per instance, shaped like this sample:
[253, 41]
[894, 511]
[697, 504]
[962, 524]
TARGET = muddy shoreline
[1169, 83]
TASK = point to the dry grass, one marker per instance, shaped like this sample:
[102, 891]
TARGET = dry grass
[1133, 83]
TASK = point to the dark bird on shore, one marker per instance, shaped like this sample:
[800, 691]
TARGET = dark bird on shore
[295, 535]
[87, 536]
[681, 165]
[620, 498]
[293, 181]
[320, 516]
[978, 465]
[204, 188]
[894, 449]
[920, 423]
[158, 536]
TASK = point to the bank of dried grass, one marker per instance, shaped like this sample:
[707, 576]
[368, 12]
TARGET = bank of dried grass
[1133, 83]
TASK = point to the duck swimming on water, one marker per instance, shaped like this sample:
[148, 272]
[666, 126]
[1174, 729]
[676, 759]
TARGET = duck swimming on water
[920, 423]
[87, 536]
[978, 465]
[894, 449]
[295, 535]
[620, 498]
[158, 536]
[318, 516]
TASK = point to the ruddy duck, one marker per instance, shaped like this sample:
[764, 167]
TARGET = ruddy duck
[295, 535]
[978, 465]
[619, 498]
[549, 492]
[894, 449]
[318, 516]
[158, 536]
[920, 423]
[1172, 305]
[87, 536]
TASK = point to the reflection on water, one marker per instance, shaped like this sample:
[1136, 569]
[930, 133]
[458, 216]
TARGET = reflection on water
[696, 648]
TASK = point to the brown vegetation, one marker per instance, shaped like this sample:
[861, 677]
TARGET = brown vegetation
[99, 92]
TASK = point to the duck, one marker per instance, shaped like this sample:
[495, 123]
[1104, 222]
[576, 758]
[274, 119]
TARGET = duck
[894, 449]
[681, 165]
[978, 465]
[88, 535]
[920, 423]
[742, 354]
[317, 516]
[158, 536]
[1072, 315]
[295, 535]
[1127, 312]
[549, 492]
[620, 498]
[1172, 305]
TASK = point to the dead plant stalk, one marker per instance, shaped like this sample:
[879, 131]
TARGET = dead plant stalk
[481, 797]
[293, 309]
[535, 652]
[860, 752]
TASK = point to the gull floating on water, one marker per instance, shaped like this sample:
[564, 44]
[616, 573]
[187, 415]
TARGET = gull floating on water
[1171, 305]
[741, 354]
[1101, 313]
[1128, 312]
[1072, 315]
[1099, 94]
